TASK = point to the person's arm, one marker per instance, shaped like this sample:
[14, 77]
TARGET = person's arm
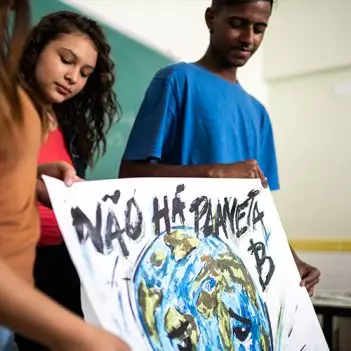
[267, 158]
[32, 314]
[136, 169]
[310, 275]
[246, 169]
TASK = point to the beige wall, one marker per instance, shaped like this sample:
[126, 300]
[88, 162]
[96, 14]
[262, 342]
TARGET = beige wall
[312, 126]
[307, 64]
[307, 35]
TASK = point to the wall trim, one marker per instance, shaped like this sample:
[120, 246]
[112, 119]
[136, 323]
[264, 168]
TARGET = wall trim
[271, 79]
[322, 245]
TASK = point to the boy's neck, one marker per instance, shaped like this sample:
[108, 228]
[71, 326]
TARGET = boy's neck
[212, 63]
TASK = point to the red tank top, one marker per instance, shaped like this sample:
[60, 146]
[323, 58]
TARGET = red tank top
[52, 150]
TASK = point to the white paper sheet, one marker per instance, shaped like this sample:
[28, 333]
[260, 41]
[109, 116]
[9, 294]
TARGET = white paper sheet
[186, 264]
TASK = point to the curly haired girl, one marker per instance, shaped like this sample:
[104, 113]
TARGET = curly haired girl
[66, 66]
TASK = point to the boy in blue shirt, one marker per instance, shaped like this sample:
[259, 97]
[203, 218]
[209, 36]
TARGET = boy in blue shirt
[196, 120]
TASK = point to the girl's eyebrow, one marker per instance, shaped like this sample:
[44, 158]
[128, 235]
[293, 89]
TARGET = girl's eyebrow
[75, 56]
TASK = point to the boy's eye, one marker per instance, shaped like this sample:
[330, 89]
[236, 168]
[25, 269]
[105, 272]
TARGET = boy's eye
[259, 29]
[236, 23]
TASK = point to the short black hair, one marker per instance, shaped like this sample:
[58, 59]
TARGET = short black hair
[220, 3]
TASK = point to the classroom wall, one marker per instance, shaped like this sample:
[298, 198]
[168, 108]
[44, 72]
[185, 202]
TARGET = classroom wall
[307, 65]
[308, 77]
[307, 36]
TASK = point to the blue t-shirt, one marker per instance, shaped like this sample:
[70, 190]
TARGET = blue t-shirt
[191, 116]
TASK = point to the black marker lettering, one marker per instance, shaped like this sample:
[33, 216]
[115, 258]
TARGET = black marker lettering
[208, 226]
[198, 214]
[257, 216]
[159, 214]
[178, 205]
[250, 197]
[230, 214]
[259, 251]
[220, 221]
[239, 215]
[114, 198]
[114, 231]
[133, 229]
[85, 229]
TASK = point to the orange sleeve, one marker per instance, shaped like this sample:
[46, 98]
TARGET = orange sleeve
[19, 224]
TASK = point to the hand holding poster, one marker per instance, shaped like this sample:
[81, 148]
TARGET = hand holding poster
[186, 264]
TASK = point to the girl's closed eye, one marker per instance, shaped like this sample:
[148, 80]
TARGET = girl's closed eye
[66, 60]
[85, 74]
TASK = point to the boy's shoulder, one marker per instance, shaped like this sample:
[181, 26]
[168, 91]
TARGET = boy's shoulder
[254, 102]
[175, 71]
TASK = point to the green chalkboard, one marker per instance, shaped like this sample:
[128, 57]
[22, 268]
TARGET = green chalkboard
[135, 66]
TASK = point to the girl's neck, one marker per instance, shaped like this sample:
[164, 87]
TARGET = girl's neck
[52, 121]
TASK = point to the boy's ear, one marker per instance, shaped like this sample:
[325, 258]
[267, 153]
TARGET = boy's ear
[209, 18]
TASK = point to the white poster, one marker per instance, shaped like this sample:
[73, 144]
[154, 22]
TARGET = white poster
[186, 264]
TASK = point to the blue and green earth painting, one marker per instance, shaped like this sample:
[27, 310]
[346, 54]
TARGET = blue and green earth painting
[194, 293]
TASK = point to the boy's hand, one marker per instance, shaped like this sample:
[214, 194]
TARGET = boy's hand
[245, 169]
[310, 276]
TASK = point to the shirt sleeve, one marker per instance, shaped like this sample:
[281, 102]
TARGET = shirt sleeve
[153, 124]
[267, 157]
[19, 222]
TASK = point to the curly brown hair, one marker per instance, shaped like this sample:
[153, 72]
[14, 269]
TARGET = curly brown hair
[90, 114]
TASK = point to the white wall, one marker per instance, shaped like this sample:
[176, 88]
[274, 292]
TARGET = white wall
[307, 36]
[307, 63]
[307, 56]
[174, 27]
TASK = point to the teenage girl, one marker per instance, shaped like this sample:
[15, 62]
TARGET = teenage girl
[22, 308]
